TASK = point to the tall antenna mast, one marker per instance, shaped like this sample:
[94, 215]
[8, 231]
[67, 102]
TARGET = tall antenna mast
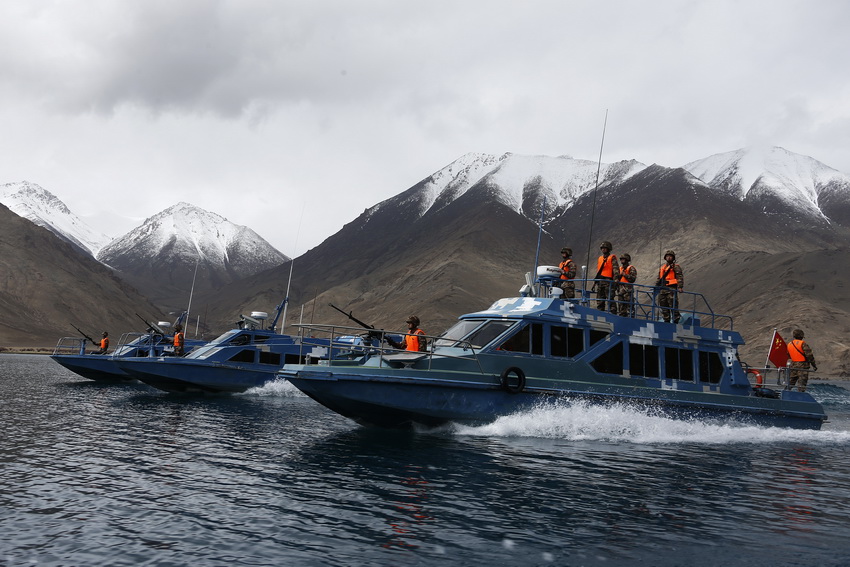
[291, 265]
[593, 206]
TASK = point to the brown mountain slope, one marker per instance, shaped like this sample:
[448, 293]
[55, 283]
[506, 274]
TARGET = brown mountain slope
[46, 286]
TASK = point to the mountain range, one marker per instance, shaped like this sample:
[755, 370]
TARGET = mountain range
[758, 232]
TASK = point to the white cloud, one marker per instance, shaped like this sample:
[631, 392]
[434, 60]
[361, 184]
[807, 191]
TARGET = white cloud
[257, 110]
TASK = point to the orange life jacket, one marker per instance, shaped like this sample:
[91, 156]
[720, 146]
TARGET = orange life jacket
[565, 265]
[795, 350]
[624, 271]
[605, 266]
[412, 340]
[178, 340]
[670, 278]
[104, 343]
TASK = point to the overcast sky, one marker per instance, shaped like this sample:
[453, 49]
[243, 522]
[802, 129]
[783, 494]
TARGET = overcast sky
[279, 114]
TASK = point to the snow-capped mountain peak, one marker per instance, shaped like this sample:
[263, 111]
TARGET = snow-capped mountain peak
[44, 209]
[195, 233]
[562, 179]
[756, 172]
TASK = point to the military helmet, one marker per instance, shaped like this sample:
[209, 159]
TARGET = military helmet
[626, 257]
[669, 253]
[606, 244]
[567, 251]
[798, 334]
[413, 319]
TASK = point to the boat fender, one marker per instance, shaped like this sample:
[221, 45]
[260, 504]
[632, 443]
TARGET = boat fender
[757, 374]
[515, 387]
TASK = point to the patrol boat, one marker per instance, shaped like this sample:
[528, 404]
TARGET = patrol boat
[242, 358]
[157, 341]
[538, 348]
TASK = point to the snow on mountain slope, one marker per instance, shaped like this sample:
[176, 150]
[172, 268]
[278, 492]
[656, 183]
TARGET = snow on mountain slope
[562, 178]
[43, 208]
[191, 232]
[747, 173]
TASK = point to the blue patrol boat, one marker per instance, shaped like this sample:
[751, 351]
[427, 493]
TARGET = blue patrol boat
[538, 349]
[242, 358]
[157, 341]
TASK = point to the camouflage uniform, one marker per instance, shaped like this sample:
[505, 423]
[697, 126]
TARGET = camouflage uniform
[799, 375]
[625, 290]
[668, 294]
[605, 286]
[568, 273]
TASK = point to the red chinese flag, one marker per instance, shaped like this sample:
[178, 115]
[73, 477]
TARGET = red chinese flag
[778, 354]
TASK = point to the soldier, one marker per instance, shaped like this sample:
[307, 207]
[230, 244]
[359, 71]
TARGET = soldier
[801, 358]
[625, 290]
[568, 273]
[607, 272]
[179, 340]
[104, 344]
[671, 281]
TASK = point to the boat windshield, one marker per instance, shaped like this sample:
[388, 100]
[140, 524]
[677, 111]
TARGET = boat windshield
[478, 333]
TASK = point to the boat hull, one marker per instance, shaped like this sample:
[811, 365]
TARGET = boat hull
[393, 400]
[186, 375]
[93, 367]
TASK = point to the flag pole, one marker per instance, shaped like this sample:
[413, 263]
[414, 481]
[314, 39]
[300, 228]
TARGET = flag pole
[770, 348]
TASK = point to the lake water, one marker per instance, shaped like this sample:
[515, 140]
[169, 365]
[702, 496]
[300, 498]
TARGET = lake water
[94, 474]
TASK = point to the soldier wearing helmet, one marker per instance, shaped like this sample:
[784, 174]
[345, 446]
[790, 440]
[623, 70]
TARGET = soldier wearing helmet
[802, 359]
[625, 288]
[671, 281]
[568, 273]
[608, 272]
[414, 340]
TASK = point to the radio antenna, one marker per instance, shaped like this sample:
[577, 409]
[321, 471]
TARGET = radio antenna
[593, 206]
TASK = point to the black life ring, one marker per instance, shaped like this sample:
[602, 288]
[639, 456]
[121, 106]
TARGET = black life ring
[505, 381]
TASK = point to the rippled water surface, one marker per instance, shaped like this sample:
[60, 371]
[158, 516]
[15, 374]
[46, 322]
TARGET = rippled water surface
[94, 474]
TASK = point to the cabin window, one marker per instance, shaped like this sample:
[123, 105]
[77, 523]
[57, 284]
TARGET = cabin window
[710, 367]
[596, 336]
[529, 339]
[294, 359]
[643, 361]
[260, 338]
[478, 333]
[487, 332]
[566, 341]
[244, 355]
[241, 340]
[270, 358]
[679, 364]
[611, 361]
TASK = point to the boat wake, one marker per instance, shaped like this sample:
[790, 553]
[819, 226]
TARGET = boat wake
[275, 388]
[580, 421]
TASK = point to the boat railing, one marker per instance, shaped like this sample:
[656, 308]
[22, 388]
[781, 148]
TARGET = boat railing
[348, 345]
[690, 308]
[70, 346]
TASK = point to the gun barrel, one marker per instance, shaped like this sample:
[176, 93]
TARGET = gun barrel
[352, 317]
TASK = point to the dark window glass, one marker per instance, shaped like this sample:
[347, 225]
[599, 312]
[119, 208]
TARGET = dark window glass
[294, 359]
[575, 341]
[260, 338]
[558, 341]
[710, 367]
[643, 360]
[611, 361]
[245, 355]
[270, 358]
[596, 336]
[679, 364]
[566, 341]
